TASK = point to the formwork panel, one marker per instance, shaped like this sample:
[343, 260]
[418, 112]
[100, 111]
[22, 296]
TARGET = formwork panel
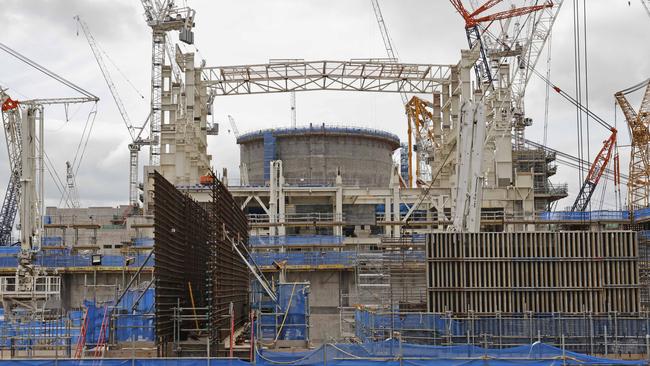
[542, 272]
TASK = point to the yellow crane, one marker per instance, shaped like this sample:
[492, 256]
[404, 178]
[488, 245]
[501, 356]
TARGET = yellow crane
[420, 124]
[638, 184]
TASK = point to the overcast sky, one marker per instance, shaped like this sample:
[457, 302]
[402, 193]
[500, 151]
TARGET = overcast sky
[242, 32]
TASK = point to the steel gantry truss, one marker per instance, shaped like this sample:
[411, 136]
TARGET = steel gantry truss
[353, 75]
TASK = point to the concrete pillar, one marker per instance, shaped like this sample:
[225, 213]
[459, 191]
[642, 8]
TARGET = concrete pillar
[396, 200]
[388, 217]
[273, 201]
[338, 204]
[281, 199]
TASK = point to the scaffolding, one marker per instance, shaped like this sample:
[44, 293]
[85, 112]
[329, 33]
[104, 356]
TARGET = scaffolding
[609, 334]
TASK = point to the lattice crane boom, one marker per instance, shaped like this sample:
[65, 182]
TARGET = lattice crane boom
[11, 123]
[596, 171]
[638, 184]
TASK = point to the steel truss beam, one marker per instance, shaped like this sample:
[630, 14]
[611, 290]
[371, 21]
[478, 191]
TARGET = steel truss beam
[353, 75]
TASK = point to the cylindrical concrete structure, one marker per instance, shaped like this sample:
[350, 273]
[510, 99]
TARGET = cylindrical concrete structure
[312, 155]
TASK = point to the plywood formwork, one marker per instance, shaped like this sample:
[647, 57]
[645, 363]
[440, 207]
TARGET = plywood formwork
[533, 271]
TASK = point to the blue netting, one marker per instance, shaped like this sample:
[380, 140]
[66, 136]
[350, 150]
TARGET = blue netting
[387, 353]
[584, 216]
[642, 213]
[56, 259]
[345, 258]
[404, 162]
[320, 129]
[143, 242]
[269, 153]
[52, 241]
[298, 240]
[292, 296]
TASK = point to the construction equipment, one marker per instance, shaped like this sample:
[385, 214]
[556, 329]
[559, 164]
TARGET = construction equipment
[30, 285]
[11, 123]
[469, 169]
[638, 184]
[596, 172]
[135, 133]
[163, 16]
[420, 121]
[473, 19]
[646, 5]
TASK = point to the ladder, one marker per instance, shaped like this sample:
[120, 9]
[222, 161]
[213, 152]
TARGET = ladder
[81, 342]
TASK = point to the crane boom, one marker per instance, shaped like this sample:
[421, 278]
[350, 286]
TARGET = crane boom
[638, 184]
[596, 172]
[107, 77]
[136, 140]
[11, 123]
[388, 43]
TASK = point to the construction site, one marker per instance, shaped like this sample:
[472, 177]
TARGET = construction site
[446, 237]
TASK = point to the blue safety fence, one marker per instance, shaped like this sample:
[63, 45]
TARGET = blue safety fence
[23, 335]
[345, 258]
[52, 241]
[286, 320]
[604, 333]
[603, 215]
[393, 352]
[294, 240]
[143, 242]
[585, 216]
[643, 213]
[136, 323]
[77, 260]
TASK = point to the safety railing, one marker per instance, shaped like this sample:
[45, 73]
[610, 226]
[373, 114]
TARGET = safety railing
[71, 260]
[40, 286]
[297, 240]
[297, 217]
[316, 258]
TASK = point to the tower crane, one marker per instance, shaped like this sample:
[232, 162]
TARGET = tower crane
[638, 184]
[163, 16]
[472, 30]
[646, 5]
[135, 133]
[32, 286]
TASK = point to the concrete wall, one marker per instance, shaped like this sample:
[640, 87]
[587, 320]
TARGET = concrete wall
[325, 298]
[314, 158]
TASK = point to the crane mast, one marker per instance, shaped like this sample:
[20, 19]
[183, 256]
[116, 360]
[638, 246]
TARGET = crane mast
[162, 18]
[11, 121]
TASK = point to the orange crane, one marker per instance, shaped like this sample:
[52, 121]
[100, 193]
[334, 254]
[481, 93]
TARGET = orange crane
[638, 184]
[477, 17]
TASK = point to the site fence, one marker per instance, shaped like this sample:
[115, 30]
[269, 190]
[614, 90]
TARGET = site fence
[604, 334]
